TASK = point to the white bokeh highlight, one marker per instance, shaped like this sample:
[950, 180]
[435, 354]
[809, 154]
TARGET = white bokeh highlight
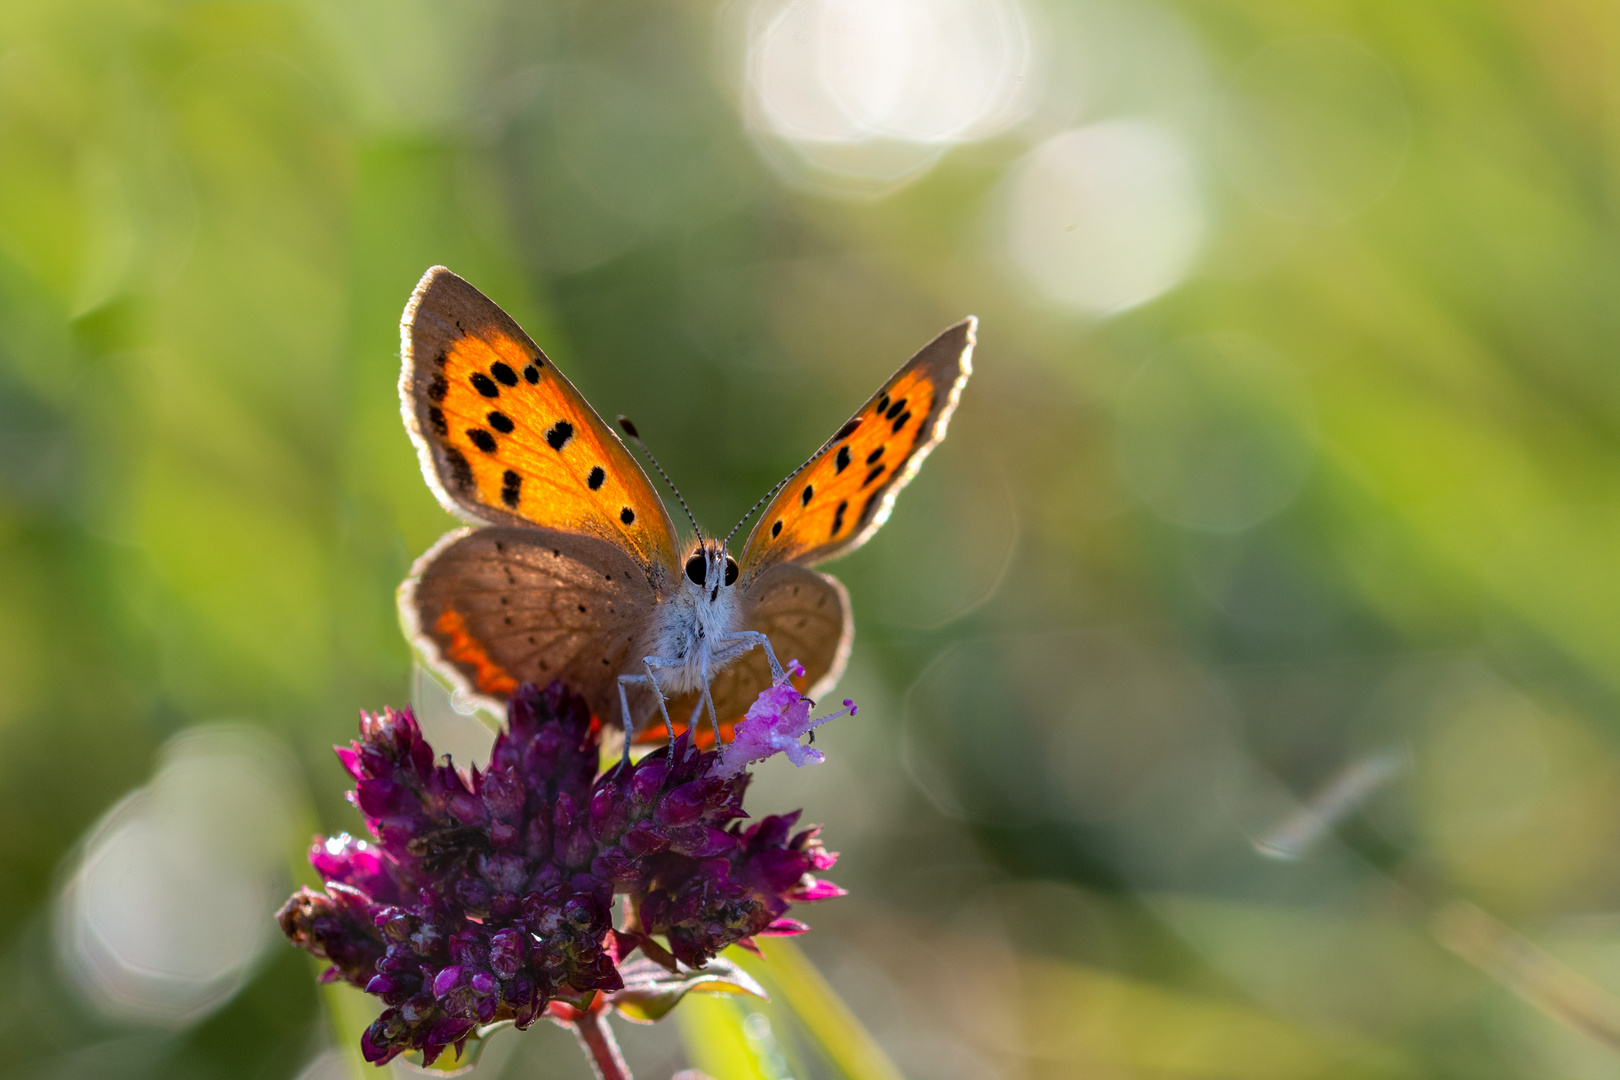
[851, 96]
[1105, 217]
[170, 902]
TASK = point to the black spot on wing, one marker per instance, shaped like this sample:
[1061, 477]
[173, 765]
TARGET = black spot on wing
[558, 434]
[596, 478]
[847, 430]
[838, 518]
[503, 374]
[842, 460]
[438, 387]
[482, 439]
[874, 455]
[894, 410]
[776, 530]
[809, 493]
[500, 422]
[460, 472]
[484, 384]
[866, 507]
[877, 471]
[905, 418]
[436, 418]
[511, 488]
[883, 405]
[531, 372]
[628, 516]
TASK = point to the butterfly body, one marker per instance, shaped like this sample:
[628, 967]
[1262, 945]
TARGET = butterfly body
[697, 630]
[572, 569]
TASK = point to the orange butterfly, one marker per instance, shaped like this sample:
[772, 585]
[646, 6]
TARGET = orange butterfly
[572, 568]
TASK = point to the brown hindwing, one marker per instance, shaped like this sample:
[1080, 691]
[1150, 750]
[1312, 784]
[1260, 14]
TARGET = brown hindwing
[491, 608]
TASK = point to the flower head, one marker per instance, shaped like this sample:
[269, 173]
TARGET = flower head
[775, 723]
[488, 896]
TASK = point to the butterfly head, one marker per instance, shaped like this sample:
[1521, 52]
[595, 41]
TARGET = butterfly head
[710, 570]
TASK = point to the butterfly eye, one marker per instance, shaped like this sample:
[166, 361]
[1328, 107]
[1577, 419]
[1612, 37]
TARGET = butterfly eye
[696, 567]
[731, 570]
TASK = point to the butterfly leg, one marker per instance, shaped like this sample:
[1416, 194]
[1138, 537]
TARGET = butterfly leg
[752, 638]
[650, 663]
[624, 706]
[649, 679]
[705, 698]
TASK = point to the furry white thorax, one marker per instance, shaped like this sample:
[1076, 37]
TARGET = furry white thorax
[693, 628]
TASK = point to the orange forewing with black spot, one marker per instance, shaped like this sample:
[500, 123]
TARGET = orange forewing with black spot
[504, 438]
[843, 494]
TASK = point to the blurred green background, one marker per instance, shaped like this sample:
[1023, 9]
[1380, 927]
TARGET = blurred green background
[1240, 671]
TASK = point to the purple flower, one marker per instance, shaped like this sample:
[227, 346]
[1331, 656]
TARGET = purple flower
[774, 724]
[489, 896]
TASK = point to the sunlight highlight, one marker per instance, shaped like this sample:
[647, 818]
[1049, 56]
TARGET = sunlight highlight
[1105, 217]
[167, 910]
[861, 96]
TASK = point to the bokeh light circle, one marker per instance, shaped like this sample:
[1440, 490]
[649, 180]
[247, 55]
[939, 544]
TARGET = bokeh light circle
[169, 905]
[1217, 433]
[864, 95]
[1105, 217]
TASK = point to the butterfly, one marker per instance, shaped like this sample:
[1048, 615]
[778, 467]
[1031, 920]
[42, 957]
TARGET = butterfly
[571, 568]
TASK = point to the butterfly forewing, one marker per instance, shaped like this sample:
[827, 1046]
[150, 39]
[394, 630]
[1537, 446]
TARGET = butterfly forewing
[844, 493]
[495, 607]
[505, 438]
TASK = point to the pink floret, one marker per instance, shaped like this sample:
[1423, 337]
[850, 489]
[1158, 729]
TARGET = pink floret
[774, 724]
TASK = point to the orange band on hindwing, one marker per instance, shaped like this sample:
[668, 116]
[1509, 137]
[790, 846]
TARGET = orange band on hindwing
[490, 677]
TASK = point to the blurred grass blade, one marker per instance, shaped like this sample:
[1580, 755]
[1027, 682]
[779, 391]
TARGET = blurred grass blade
[1535, 976]
[348, 1012]
[797, 987]
[1297, 834]
[712, 1030]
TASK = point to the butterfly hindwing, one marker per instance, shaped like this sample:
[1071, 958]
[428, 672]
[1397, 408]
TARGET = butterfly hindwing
[844, 493]
[505, 438]
[495, 607]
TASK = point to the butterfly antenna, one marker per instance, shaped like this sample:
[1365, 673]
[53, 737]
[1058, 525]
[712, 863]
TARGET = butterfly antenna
[843, 433]
[763, 499]
[635, 437]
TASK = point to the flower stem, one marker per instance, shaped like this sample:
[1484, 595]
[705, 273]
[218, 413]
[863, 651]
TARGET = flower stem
[591, 1028]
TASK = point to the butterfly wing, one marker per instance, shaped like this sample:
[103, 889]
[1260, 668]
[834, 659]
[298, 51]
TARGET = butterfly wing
[494, 607]
[806, 615]
[844, 494]
[504, 438]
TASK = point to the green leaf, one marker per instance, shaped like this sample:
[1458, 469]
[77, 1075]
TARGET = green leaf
[651, 990]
